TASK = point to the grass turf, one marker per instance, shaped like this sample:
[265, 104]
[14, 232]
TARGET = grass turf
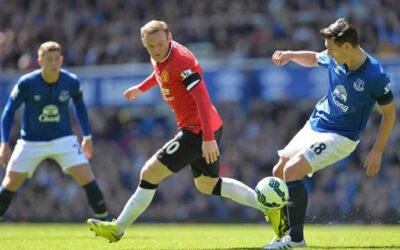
[192, 236]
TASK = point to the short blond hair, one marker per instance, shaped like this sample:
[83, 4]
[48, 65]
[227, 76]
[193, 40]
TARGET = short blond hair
[48, 46]
[154, 26]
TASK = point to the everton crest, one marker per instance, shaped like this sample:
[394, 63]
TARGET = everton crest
[359, 85]
[64, 95]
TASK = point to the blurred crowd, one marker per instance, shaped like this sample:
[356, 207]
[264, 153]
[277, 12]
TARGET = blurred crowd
[122, 142]
[96, 32]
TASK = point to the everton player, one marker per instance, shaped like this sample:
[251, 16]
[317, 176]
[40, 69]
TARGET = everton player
[357, 82]
[179, 77]
[46, 130]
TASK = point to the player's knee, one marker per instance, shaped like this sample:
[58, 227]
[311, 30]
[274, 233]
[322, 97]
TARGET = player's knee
[296, 169]
[292, 173]
[283, 160]
[12, 183]
[150, 173]
[86, 178]
[277, 171]
[288, 171]
[204, 188]
[154, 171]
[83, 174]
[205, 185]
[147, 173]
[8, 184]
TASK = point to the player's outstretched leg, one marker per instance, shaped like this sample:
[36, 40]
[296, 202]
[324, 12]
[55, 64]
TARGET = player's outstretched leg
[105, 229]
[228, 188]
[239, 192]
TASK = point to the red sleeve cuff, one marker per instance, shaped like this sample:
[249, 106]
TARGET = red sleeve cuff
[208, 136]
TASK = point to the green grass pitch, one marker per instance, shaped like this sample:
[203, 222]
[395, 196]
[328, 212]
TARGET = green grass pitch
[192, 236]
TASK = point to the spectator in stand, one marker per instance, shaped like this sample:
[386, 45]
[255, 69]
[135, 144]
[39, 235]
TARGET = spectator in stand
[104, 32]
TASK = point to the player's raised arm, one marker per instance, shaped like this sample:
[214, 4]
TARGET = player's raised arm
[303, 58]
[133, 92]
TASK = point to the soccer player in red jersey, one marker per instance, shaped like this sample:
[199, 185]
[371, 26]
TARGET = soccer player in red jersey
[179, 76]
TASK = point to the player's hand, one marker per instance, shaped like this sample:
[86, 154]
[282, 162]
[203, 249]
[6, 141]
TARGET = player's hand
[87, 147]
[210, 151]
[373, 163]
[280, 57]
[132, 93]
[5, 154]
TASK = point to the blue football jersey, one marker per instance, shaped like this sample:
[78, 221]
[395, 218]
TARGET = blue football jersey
[351, 97]
[46, 112]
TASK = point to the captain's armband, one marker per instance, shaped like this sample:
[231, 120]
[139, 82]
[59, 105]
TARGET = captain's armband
[190, 79]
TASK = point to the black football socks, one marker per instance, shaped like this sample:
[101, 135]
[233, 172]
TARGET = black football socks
[297, 206]
[5, 200]
[96, 200]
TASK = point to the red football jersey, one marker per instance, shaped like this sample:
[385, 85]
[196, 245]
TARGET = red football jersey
[180, 79]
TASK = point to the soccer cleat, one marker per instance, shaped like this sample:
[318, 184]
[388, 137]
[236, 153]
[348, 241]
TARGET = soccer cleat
[279, 222]
[274, 240]
[286, 243]
[105, 229]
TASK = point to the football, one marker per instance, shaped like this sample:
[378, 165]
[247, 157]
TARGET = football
[272, 193]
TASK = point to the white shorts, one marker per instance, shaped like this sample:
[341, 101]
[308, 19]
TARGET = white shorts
[27, 155]
[320, 149]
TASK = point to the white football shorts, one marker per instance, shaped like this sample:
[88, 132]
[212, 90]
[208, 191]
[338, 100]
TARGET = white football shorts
[27, 155]
[320, 149]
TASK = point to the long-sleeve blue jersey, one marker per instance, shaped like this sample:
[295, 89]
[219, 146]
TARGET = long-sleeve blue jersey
[351, 97]
[46, 113]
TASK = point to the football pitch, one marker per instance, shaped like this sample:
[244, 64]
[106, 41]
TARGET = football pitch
[192, 236]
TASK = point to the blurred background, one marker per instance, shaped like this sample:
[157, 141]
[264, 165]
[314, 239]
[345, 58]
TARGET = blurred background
[262, 106]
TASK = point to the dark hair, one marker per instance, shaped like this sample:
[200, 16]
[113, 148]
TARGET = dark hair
[341, 31]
